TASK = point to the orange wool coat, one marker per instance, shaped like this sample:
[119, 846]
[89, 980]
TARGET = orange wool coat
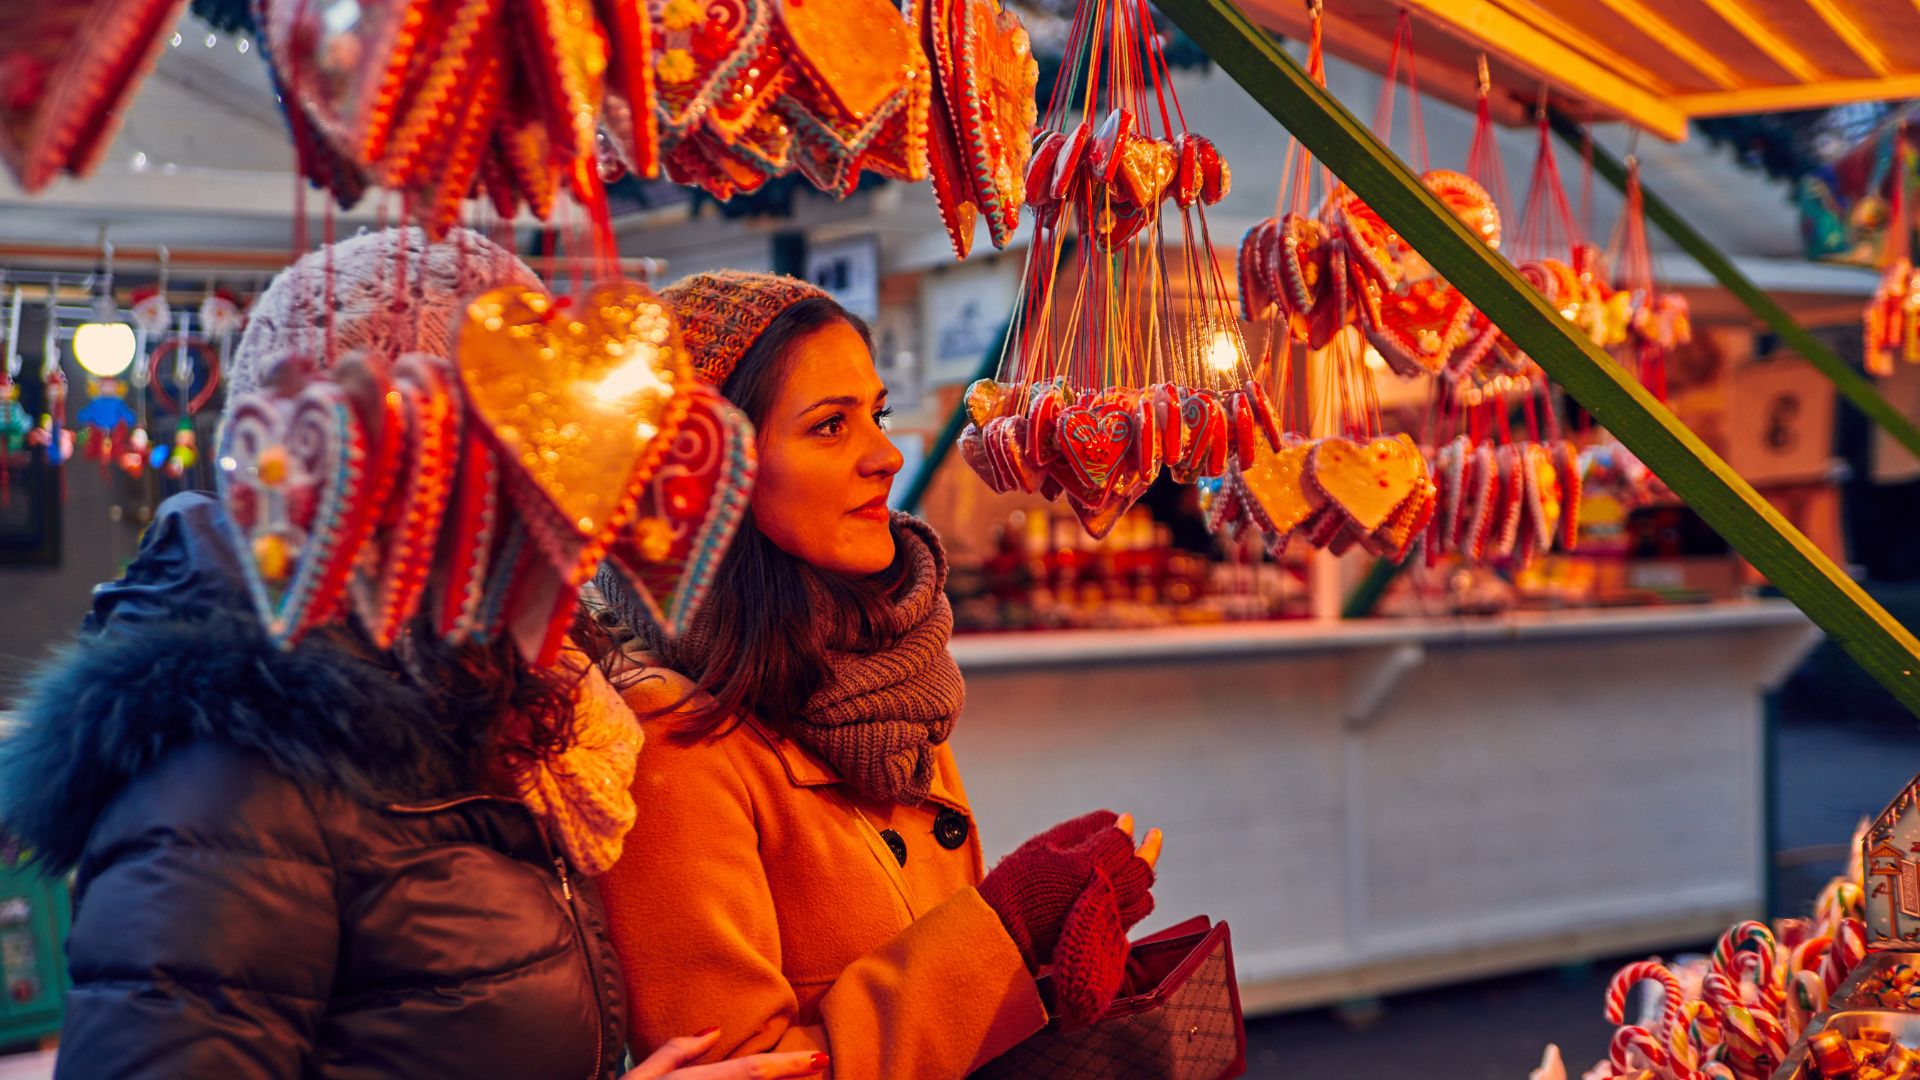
[757, 892]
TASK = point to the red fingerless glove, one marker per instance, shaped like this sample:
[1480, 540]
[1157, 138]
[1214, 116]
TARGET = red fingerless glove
[1090, 958]
[1034, 889]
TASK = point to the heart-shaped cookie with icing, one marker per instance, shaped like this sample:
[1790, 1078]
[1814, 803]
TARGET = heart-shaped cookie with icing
[689, 512]
[1275, 485]
[293, 476]
[1416, 331]
[67, 71]
[1366, 482]
[1095, 441]
[391, 574]
[582, 400]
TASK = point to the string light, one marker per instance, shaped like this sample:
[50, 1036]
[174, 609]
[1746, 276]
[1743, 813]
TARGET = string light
[174, 41]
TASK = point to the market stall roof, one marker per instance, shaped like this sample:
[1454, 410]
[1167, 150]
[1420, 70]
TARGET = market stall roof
[1652, 63]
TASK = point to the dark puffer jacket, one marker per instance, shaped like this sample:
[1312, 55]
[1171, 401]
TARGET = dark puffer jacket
[281, 870]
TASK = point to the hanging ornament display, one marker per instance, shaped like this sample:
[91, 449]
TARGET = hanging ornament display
[182, 374]
[484, 491]
[979, 135]
[553, 384]
[1658, 321]
[51, 434]
[1125, 356]
[67, 71]
[440, 100]
[748, 90]
[1305, 278]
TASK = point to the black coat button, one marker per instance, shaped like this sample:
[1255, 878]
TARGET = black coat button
[950, 828]
[897, 845]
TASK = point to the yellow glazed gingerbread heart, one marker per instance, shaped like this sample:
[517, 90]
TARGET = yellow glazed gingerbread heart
[1276, 481]
[1366, 482]
[584, 396]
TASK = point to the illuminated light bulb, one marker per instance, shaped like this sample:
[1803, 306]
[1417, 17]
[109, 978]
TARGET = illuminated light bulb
[1222, 355]
[105, 349]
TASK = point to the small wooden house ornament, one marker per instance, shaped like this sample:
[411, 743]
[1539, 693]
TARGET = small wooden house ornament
[1892, 856]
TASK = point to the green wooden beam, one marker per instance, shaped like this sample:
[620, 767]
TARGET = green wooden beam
[1366, 594]
[1852, 385]
[1717, 493]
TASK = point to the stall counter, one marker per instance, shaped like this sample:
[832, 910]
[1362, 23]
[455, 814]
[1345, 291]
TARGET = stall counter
[1383, 805]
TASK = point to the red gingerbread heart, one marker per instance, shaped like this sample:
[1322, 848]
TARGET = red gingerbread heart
[391, 575]
[293, 474]
[67, 71]
[689, 512]
[1094, 442]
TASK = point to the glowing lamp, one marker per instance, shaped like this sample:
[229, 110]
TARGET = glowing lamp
[104, 344]
[105, 349]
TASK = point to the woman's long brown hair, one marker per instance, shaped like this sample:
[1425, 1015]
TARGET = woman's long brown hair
[769, 644]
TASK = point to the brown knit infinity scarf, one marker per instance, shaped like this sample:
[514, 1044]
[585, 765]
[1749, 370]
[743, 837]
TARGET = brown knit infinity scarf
[884, 705]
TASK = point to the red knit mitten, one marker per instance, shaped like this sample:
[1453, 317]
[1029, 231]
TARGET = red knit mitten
[1090, 959]
[1033, 889]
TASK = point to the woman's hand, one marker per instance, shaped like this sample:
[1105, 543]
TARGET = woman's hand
[666, 1062]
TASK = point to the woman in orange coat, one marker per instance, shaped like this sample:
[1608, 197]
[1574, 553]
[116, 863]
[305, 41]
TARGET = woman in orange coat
[806, 871]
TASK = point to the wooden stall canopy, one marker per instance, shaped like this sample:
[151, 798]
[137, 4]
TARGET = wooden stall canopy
[1652, 63]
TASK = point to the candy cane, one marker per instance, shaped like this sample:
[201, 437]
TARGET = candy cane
[1633, 1048]
[1806, 997]
[1739, 935]
[1849, 946]
[1807, 955]
[1703, 1025]
[1753, 1034]
[1632, 975]
[1756, 970]
[1697, 1033]
[1720, 992]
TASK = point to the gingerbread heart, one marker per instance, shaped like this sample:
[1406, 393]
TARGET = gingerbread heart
[1510, 497]
[1039, 184]
[1376, 250]
[1479, 500]
[1257, 295]
[1367, 482]
[1395, 537]
[689, 512]
[1304, 249]
[1104, 152]
[293, 475]
[972, 445]
[1544, 498]
[1204, 437]
[391, 574]
[1567, 463]
[1007, 439]
[67, 71]
[470, 560]
[1275, 482]
[1099, 516]
[582, 399]
[1416, 331]
[987, 399]
[1147, 169]
[1043, 422]
[1094, 441]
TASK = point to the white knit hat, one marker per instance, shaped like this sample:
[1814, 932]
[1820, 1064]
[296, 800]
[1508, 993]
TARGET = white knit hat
[370, 310]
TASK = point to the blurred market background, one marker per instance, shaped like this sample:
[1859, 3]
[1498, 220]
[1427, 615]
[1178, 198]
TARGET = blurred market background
[1438, 807]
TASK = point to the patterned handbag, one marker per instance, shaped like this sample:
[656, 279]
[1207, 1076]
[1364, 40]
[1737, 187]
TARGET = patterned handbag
[1177, 1018]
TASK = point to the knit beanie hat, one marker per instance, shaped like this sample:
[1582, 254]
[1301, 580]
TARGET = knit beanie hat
[723, 312]
[372, 307]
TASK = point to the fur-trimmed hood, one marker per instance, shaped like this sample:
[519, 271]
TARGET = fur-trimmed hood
[175, 668]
